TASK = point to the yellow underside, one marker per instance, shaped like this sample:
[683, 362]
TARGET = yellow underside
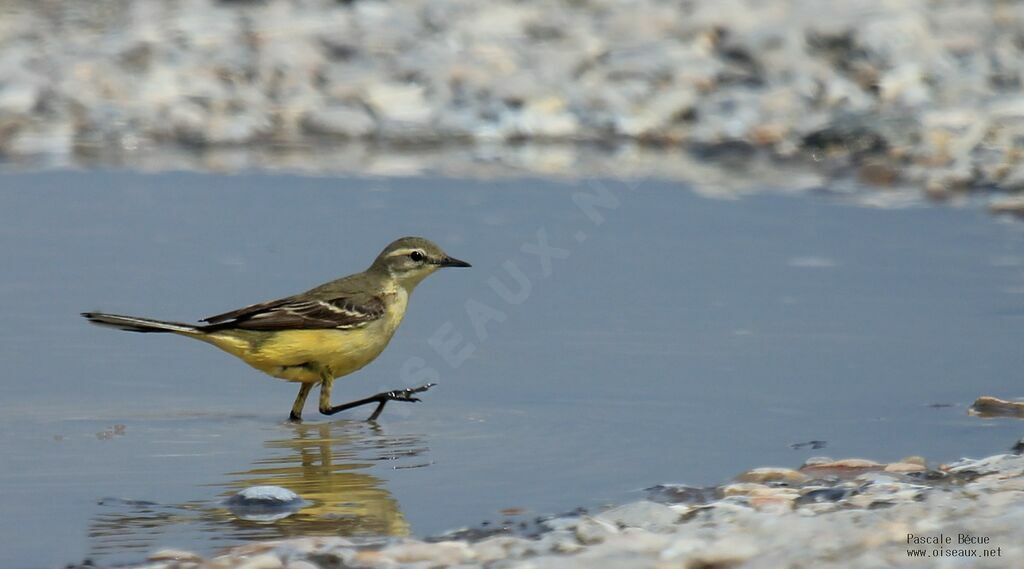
[303, 355]
[288, 354]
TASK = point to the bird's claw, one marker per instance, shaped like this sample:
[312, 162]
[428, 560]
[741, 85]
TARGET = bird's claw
[406, 394]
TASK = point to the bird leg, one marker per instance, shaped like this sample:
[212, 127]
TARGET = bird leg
[300, 402]
[381, 399]
[326, 382]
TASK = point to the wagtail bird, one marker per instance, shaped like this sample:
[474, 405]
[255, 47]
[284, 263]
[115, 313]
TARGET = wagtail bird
[322, 334]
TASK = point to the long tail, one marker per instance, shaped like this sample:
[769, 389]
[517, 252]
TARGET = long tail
[136, 324]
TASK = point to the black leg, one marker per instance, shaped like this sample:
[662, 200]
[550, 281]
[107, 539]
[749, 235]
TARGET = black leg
[381, 399]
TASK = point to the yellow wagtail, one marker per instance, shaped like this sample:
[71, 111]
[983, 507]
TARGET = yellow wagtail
[321, 334]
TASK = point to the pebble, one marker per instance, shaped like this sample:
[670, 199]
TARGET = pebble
[263, 496]
[742, 489]
[557, 542]
[986, 406]
[343, 121]
[173, 555]
[441, 553]
[822, 495]
[404, 104]
[771, 474]
[846, 467]
[264, 561]
[903, 467]
[1010, 464]
[264, 503]
[592, 530]
[645, 515]
[1018, 447]
[501, 547]
[18, 98]
[680, 494]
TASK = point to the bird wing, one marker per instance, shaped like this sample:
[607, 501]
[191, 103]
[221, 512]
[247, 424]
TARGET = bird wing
[302, 312]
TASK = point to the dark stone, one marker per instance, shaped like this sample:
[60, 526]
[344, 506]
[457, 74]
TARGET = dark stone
[928, 475]
[823, 495]
[681, 494]
[1018, 448]
[812, 445]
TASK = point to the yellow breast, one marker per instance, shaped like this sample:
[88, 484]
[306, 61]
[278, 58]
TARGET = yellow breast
[299, 355]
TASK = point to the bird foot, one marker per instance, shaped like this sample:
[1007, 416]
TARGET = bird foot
[405, 394]
[397, 395]
[381, 399]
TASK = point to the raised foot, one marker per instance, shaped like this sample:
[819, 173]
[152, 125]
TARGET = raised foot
[399, 395]
[381, 399]
[406, 394]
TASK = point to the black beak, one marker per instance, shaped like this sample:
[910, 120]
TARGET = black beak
[453, 262]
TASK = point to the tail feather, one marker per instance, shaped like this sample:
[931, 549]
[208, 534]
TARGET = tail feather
[136, 324]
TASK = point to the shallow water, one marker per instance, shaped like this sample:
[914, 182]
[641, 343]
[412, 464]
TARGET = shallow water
[681, 339]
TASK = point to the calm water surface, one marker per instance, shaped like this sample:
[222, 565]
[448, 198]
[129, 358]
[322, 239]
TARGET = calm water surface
[669, 338]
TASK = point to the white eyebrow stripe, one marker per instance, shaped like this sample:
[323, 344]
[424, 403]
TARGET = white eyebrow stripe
[401, 252]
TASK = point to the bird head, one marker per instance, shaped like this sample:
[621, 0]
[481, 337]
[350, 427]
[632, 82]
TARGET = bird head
[409, 260]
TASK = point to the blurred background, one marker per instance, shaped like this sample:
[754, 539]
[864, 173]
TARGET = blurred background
[705, 234]
[925, 93]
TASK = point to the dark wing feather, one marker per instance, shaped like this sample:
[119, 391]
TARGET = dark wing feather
[297, 313]
[245, 311]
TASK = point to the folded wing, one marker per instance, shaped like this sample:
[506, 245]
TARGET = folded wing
[297, 313]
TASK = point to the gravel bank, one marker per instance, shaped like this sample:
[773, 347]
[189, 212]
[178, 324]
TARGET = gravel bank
[922, 93]
[829, 513]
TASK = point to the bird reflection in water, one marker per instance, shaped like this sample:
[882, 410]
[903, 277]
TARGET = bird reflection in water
[327, 464]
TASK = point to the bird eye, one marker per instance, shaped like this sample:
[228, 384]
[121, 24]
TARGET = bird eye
[416, 256]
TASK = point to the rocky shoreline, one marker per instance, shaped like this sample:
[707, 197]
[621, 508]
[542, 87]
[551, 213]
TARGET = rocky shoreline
[828, 513]
[921, 94]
